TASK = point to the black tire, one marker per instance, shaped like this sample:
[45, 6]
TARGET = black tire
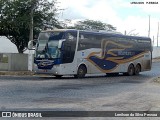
[58, 76]
[131, 70]
[137, 69]
[81, 72]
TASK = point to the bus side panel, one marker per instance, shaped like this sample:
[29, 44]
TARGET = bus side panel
[117, 54]
[82, 59]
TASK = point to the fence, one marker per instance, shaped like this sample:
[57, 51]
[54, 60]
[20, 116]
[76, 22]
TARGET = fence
[156, 52]
[13, 62]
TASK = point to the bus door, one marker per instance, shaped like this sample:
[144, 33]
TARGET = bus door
[69, 47]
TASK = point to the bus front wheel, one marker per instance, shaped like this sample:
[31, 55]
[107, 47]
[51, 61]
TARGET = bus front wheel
[82, 70]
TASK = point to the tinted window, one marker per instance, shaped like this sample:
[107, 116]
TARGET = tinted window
[69, 47]
[87, 41]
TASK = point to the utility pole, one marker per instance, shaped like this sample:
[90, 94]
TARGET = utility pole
[125, 32]
[157, 34]
[153, 40]
[149, 27]
[62, 11]
[30, 55]
[31, 21]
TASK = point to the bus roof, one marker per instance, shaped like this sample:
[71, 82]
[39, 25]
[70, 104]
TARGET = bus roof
[107, 33]
[61, 30]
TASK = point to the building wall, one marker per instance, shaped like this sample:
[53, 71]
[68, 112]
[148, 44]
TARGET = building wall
[156, 52]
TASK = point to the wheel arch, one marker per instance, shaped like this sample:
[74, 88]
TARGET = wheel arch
[131, 64]
[82, 64]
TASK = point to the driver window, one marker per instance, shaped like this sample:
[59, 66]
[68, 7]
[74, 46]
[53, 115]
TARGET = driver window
[71, 36]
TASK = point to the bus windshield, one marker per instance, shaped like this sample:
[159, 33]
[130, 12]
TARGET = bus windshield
[47, 46]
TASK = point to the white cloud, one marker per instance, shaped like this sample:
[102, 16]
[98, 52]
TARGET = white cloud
[71, 8]
[150, 8]
[138, 23]
[107, 11]
[99, 10]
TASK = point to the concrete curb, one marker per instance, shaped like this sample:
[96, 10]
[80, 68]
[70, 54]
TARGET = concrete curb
[17, 73]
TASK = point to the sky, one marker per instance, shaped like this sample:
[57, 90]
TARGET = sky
[125, 15]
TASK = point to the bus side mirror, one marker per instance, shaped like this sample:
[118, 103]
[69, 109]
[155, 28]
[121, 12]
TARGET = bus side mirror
[32, 44]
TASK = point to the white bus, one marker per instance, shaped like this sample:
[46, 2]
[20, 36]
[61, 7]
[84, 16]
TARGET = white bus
[75, 52]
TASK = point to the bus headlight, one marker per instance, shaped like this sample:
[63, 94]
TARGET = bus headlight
[35, 66]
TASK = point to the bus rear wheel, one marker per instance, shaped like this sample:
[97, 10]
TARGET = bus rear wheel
[137, 69]
[131, 70]
[81, 72]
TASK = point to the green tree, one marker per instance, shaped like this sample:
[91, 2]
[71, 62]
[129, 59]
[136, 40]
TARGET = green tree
[93, 25]
[15, 19]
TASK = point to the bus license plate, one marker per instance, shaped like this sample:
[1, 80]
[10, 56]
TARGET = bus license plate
[44, 70]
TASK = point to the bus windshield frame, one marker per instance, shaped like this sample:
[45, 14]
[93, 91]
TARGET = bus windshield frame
[48, 44]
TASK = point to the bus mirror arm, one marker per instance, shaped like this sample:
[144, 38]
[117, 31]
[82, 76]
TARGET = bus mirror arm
[32, 44]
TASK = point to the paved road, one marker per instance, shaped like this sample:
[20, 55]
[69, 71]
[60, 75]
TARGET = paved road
[91, 93]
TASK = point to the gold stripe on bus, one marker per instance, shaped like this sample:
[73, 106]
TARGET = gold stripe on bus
[126, 60]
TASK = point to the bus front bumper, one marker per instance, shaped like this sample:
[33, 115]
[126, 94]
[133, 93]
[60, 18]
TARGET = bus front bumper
[56, 70]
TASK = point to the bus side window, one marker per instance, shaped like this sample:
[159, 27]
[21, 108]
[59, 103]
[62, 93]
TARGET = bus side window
[81, 37]
[82, 41]
[69, 47]
[67, 55]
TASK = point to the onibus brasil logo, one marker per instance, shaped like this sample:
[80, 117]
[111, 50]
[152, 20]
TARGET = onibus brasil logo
[21, 114]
